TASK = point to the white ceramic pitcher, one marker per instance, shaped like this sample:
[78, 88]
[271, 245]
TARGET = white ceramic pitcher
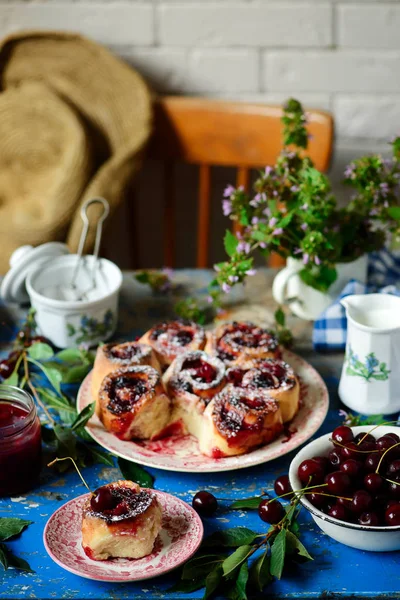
[370, 381]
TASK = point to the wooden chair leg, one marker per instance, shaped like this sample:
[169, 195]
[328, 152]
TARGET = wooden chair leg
[203, 228]
[169, 213]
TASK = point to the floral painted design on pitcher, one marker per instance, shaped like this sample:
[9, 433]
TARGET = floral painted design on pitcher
[92, 330]
[370, 380]
[371, 368]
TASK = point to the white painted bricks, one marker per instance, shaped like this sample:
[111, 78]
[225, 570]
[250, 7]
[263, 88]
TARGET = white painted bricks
[369, 26]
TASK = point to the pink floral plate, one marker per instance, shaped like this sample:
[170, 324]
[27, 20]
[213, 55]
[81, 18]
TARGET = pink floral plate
[178, 540]
[181, 453]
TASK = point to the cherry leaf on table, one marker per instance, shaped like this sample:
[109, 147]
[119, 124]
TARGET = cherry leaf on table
[12, 526]
[293, 544]
[260, 572]
[233, 537]
[133, 472]
[83, 417]
[278, 550]
[101, 457]
[3, 557]
[213, 580]
[247, 502]
[15, 561]
[236, 559]
[53, 375]
[201, 566]
[241, 582]
[40, 351]
[76, 374]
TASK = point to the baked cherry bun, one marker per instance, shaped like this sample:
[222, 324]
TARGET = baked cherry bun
[274, 376]
[233, 342]
[120, 520]
[238, 420]
[191, 381]
[133, 403]
[111, 357]
[172, 338]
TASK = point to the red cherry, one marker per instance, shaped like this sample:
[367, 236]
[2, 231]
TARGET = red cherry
[338, 483]
[394, 467]
[392, 515]
[365, 437]
[103, 500]
[318, 500]
[323, 461]
[394, 486]
[351, 450]
[373, 482]
[361, 502]
[342, 434]
[205, 503]
[351, 467]
[335, 457]
[310, 471]
[282, 486]
[368, 518]
[271, 511]
[338, 511]
[371, 462]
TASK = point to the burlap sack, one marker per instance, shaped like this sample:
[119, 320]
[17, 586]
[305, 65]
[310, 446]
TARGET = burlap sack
[110, 98]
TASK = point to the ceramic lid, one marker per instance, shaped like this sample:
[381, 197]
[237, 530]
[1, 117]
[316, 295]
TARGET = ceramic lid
[24, 260]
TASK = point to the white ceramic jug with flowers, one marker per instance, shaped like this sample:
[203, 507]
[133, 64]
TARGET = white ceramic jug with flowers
[370, 381]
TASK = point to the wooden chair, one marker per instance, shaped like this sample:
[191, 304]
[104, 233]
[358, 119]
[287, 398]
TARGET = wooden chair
[217, 133]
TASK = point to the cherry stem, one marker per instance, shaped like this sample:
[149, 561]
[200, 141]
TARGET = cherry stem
[335, 443]
[50, 464]
[308, 487]
[383, 455]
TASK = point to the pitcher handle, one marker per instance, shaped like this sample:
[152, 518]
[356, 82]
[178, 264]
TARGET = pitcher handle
[280, 282]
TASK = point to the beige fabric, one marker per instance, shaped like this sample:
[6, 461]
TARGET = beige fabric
[110, 98]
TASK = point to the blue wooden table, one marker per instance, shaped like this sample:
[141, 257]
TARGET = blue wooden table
[337, 571]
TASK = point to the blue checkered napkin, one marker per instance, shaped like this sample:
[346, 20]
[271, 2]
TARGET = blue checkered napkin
[330, 328]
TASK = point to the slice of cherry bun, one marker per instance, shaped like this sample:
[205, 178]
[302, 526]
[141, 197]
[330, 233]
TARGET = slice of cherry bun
[275, 376]
[133, 403]
[191, 381]
[236, 341]
[172, 338]
[111, 357]
[238, 420]
[120, 520]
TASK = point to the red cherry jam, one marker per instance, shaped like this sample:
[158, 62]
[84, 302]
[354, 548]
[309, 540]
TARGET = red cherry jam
[20, 441]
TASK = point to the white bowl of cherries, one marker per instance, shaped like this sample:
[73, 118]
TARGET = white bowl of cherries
[349, 480]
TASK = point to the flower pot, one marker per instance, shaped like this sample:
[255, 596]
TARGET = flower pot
[307, 302]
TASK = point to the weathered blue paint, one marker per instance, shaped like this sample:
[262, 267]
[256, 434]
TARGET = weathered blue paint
[336, 570]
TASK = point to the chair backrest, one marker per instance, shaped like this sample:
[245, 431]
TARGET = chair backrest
[210, 133]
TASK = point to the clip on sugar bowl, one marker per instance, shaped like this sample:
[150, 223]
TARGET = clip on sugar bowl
[75, 296]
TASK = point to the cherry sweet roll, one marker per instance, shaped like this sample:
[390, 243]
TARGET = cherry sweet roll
[120, 520]
[274, 376]
[133, 403]
[191, 381]
[170, 339]
[238, 420]
[236, 341]
[111, 357]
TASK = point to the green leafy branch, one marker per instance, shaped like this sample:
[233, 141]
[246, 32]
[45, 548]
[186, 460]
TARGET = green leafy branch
[238, 561]
[10, 528]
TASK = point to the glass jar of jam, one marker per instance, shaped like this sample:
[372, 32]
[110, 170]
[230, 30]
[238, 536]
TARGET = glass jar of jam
[20, 441]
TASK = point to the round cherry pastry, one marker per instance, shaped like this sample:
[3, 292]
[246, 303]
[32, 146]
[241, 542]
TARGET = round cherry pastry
[310, 471]
[282, 487]
[271, 511]
[205, 503]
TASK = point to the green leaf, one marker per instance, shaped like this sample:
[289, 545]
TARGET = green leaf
[75, 374]
[280, 317]
[69, 355]
[100, 457]
[84, 416]
[230, 243]
[12, 526]
[293, 544]
[278, 550]
[40, 351]
[55, 401]
[53, 375]
[394, 212]
[16, 562]
[13, 379]
[236, 559]
[241, 581]
[260, 574]
[3, 557]
[247, 502]
[133, 472]
[213, 580]
[48, 435]
[66, 441]
[233, 537]
[201, 566]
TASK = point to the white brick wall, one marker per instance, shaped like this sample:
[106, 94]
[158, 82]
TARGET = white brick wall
[342, 55]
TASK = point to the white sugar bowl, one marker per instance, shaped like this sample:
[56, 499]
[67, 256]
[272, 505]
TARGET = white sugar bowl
[73, 305]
